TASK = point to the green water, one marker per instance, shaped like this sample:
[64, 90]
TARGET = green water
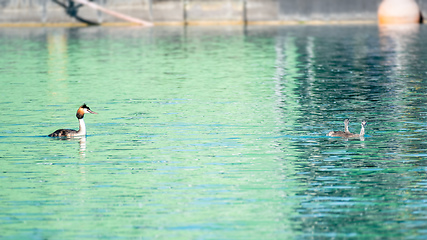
[214, 133]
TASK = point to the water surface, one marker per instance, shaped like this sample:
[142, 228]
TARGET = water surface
[214, 133]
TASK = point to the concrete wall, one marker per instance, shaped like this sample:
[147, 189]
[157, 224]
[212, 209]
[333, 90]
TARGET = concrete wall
[196, 11]
[327, 10]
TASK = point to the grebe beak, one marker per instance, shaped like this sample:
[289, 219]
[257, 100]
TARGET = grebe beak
[90, 111]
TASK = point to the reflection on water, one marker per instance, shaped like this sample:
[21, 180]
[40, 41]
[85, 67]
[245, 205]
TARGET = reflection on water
[82, 149]
[396, 41]
[214, 133]
[81, 141]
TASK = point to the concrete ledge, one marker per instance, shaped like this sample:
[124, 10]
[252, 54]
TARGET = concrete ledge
[192, 23]
[197, 12]
[214, 10]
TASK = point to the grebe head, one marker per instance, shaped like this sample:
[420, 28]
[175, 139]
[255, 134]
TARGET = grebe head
[346, 121]
[364, 123]
[82, 110]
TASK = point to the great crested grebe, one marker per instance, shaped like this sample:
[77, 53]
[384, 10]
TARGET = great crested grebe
[352, 135]
[82, 127]
[340, 133]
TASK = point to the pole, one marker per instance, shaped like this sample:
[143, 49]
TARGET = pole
[115, 14]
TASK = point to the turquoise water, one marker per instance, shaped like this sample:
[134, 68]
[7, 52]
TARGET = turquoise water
[214, 133]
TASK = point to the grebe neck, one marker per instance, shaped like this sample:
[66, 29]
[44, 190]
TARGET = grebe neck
[362, 131]
[82, 128]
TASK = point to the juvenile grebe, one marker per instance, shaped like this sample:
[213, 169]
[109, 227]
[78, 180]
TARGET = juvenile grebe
[82, 127]
[362, 131]
[352, 135]
[340, 133]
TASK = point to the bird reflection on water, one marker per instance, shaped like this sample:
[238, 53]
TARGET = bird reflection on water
[82, 144]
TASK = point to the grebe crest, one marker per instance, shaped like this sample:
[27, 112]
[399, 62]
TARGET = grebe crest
[82, 126]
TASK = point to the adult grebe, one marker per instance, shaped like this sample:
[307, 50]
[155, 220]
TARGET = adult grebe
[340, 133]
[82, 127]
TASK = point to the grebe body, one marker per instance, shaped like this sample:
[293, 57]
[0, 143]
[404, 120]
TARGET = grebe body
[82, 126]
[352, 135]
[361, 134]
[340, 133]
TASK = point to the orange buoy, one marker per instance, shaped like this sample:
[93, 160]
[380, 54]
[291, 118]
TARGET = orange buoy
[399, 12]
